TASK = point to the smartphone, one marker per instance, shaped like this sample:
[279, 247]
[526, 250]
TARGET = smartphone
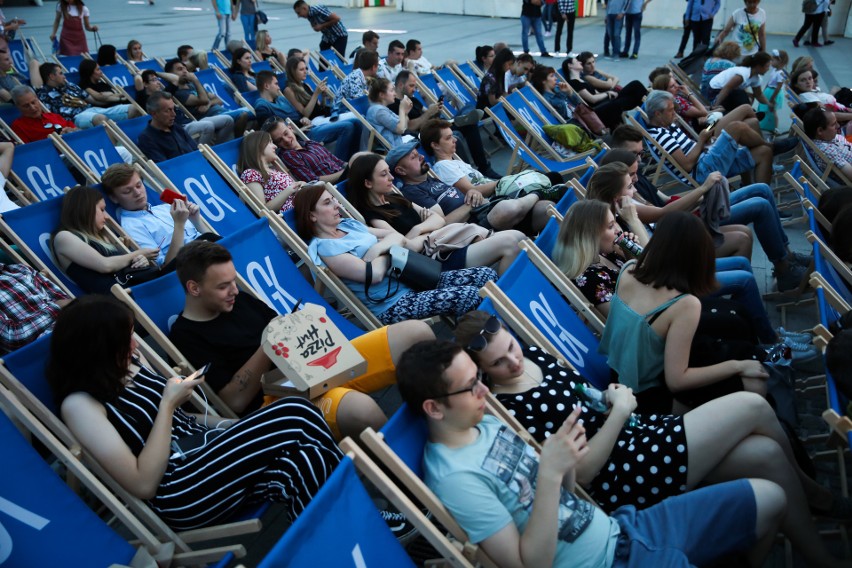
[169, 196]
[441, 99]
[202, 371]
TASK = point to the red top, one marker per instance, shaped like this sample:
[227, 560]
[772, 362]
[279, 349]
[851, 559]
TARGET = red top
[35, 129]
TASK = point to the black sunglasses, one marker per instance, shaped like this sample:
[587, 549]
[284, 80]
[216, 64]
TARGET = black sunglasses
[480, 342]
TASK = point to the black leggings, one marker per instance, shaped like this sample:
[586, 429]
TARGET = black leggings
[813, 21]
[629, 97]
[569, 32]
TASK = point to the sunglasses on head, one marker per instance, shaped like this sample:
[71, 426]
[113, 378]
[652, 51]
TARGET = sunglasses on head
[480, 341]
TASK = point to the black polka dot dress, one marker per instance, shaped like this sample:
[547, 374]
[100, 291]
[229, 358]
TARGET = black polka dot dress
[649, 460]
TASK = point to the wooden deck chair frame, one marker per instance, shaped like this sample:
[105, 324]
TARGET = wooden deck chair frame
[818, 185]
[665, 162]
[831, 257]
[22, 416]
[116, 133]
[6, 129]
[832, 296]
[454, 67]
[830, 170]
[371, 470]
[333, 66]
[543, 102]
[375, 136]
[221, 57]
[238, 97]
[533, 135]
[429, 97]
[538, 164]
[476, 68]
[449, 92]
[139, 509]
[575, 297]
[23, 194]
[798, 187]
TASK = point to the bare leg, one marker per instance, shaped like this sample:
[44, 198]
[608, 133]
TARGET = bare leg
[403, 335]
[500, 247]
[510, 212]
[356, 411]
[771, 505]
[540, 216]
[739, 114]
[762, 164]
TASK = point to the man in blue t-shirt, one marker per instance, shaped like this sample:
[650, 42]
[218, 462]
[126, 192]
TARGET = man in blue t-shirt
[519, 506]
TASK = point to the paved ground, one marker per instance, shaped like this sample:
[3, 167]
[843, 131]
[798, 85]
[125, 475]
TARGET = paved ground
[169, 23]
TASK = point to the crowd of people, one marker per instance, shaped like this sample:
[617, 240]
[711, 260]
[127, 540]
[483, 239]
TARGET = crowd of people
[687, 463]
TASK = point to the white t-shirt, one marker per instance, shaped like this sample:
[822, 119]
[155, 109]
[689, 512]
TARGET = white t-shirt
[6, 204]
[747, 29]
[73, 11]
[510, 80]
[720, 80]
[451, 171]
[420, 66]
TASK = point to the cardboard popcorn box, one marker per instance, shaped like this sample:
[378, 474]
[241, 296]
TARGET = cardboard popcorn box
[310, 353]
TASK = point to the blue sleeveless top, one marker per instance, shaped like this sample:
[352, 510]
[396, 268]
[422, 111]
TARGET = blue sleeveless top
[633, 349]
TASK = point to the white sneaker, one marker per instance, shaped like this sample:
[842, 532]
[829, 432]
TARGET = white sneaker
[547, 34]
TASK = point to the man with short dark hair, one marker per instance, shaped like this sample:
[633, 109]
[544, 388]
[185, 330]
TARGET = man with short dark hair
[219, 325]
[345, 133]
[392, 64]
[73, 103]
[328, 23]
[163, 139]
[519, 506]
[148, 83]
[354, 86]
[369, 42]
[187, 89]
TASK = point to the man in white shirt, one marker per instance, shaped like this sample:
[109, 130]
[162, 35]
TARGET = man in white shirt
[390, 67]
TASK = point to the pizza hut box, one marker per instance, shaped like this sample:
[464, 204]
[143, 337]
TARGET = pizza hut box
[310, 354]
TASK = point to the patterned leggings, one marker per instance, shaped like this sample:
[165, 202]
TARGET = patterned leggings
[457, 293]
[283, 452]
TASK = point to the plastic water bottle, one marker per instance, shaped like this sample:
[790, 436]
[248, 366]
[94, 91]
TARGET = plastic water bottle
[599, 401]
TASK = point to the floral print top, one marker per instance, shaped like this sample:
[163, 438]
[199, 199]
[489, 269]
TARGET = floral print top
[597, 283]
[277, 182]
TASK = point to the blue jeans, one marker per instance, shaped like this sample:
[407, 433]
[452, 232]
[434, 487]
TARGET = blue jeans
[548, 11]
[613, 30]
[224, 23]
[756, 204]
[737, 281]
[249, 22]
[526, 22]
[345, 133]
[633, 27]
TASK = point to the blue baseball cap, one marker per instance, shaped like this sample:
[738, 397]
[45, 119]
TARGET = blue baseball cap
[399, 152]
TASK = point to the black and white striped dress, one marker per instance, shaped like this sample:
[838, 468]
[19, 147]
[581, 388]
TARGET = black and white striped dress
[283, 452]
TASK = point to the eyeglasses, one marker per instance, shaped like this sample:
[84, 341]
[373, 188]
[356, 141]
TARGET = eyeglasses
[477, 384]
[480, 342]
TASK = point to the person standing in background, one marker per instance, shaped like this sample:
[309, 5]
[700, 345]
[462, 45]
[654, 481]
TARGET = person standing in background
[222, 9]
[548, 14]
[750, 32]
[633, 25]
[567, 14]
[813, 19]
[247, 10]
[328, 23]
[74, 16]
[615, 10]
[698, 19]
[825, 40]
[531, 18]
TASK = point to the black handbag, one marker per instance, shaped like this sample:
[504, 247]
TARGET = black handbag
[130, 276]
[413, 269]
[261, 16]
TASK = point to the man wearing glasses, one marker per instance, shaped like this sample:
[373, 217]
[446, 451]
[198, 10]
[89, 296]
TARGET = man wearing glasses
[519, 506]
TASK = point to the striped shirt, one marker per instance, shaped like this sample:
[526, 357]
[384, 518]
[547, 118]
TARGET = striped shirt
[671, 138]
[310, 161]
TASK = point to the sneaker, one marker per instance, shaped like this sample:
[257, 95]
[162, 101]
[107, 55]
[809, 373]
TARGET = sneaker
[784, 145]
[634, 56]
[791, 278]
[679, 55]
[779, 168]
[800, 259]
[398, 524]
[808, 42]
[547, 33]
[798, 337]
[606, 54]
[817, 44]
[545, 54]
[828, 42]
[623, 55]
[784, 214]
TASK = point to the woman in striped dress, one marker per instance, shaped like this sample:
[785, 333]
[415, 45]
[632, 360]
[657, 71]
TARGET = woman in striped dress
[193, 469]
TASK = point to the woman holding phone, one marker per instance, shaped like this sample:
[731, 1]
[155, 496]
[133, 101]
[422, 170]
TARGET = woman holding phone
[193, 470]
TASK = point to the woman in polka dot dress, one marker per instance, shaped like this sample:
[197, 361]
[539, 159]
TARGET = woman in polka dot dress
[640, 460]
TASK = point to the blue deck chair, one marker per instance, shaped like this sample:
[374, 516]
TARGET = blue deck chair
[343, 513]
[94, 148]
[587, 175]
[214, 83]
[332, 57]
[214, 61]
[518, 106]
[194, 176]
[8, 113]
[546, 239]
[520, 150]
[33, 225]
[263, 262]
[332, 81]
[133, 127]
[251, 96]
[19, 56]
[545, 308]
[262, 66]
[152, 64]
[460, 95]
[119, 74]
[468, 74]
[39, 167]
[529, 93]
[50, 525]
[229, 152]
[71, 63]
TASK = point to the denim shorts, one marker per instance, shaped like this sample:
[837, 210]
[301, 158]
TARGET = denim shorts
[725, 156]
[115, 113]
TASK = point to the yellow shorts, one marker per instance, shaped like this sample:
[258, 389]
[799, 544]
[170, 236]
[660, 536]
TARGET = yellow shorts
[381, 372]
